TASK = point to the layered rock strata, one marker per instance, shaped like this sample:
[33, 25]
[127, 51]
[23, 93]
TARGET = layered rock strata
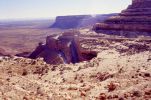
[136, 18]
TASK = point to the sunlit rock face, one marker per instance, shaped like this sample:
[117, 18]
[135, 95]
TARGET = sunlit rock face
[136, 18]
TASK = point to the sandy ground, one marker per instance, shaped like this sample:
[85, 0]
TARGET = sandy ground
[121, 71]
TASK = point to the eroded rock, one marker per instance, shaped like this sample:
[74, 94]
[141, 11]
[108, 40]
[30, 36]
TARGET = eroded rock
[133, 21]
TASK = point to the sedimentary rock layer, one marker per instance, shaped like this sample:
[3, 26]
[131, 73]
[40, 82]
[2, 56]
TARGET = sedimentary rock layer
[137, 17]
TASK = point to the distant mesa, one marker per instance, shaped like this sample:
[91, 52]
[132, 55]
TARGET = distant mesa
[66, 22]
[78, 21]
[135, 20]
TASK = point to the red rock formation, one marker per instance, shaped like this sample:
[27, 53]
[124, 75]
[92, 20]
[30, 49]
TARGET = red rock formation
[64, 48]
[137, 17]
[59, 49]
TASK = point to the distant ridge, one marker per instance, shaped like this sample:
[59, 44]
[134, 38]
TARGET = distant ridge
[77, 21]
[33, 23]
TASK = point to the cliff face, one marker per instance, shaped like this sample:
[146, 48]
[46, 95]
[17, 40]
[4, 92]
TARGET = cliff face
[77, 21]
[136, 18]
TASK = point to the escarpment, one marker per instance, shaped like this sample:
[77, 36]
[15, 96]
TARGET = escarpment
[78, 21]
[135, 20]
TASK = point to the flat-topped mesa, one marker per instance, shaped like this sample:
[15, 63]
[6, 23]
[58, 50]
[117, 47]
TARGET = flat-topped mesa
[69, 22]
[136, 18]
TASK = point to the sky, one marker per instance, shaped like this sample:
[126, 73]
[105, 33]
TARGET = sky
[29, 9]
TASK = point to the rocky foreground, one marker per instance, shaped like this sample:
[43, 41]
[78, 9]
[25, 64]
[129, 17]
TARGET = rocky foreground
[121, 71]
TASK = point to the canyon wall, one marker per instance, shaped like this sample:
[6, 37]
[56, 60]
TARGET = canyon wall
[136, 18]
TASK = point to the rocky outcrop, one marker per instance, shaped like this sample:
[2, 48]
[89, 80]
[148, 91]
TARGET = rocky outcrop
[136, 18]
[61, 49]
[64, 49]
[77, 21]
[58, 49]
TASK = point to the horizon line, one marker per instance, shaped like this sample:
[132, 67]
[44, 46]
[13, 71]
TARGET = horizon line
[53, 17]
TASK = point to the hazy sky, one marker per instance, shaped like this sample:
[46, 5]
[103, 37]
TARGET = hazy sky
[12, 9]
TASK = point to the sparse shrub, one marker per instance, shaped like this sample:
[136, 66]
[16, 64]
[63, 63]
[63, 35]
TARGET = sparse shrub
[102, 96]
[147, 74]
[111, 87]
[148, 92]
[24, 72]
[136, 93]
[102, 76]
